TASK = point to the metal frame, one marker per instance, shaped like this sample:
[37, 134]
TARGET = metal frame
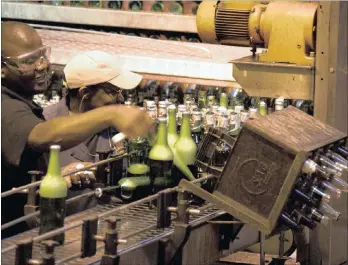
[100, 17]
[328, 245]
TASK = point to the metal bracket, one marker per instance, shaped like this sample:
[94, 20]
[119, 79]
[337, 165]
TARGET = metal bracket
[163, 214]
[111, 241]
[23, 252]
[88, 241]
[31, 206]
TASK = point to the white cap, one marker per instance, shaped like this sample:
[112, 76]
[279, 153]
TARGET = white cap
[96, 67]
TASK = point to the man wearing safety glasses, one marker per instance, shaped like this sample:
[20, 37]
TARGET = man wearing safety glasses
[25, 133]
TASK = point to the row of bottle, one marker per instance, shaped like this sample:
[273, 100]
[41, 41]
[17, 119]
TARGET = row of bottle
[320, 182]
[208, 113]
[162, 164]
[170, 158]
[206, 96]
[309, 203]
[174, 7]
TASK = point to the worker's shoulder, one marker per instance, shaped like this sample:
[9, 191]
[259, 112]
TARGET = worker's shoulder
[10, 104]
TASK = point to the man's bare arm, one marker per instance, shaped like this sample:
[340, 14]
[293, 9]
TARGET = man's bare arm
[70, 131]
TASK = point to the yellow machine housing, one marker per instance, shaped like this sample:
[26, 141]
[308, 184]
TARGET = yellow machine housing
[286, 29]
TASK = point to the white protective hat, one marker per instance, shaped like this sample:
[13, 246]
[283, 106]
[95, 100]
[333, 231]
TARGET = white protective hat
[95, 67]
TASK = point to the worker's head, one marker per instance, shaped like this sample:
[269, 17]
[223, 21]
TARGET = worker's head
[97, 79]
[24, 59]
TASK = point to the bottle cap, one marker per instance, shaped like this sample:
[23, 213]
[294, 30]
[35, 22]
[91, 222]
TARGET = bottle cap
[118, 138]
[55, 147]
[238, 108]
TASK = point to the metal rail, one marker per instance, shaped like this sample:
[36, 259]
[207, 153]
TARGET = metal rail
[37, 183]
[102, 215]
[136, 246]
[29, 216]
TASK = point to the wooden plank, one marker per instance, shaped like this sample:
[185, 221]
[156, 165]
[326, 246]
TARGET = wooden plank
[328, 245]
[295, 130]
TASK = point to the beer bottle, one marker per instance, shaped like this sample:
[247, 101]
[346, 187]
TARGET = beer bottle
[196, 123]
[157, 7]
[202, 100]
[176, 8]
[56, 2]
[115, 4]
[173, 135]
[76, 3]
[343, 151]
[53, 192]
[223, 100]
[279, 104]
[161, 156]
[136, 5]
[185, 147]
[94, 3]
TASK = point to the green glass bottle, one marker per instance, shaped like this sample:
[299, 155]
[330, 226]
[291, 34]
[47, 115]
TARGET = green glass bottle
[161, 156]
[176, 8]
[76, 3]
[94, 3]
[157, 7]
[53, 193]
[115, 4]
[262, 108]
[223, 100]
[56, 2]
[185, 147]
[202, 100]
[136, 5]
[173, 135]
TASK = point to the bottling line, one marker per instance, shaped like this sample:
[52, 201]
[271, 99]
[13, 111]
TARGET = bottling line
[271, 159]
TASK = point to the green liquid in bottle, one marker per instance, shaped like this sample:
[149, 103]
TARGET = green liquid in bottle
[223, 100]
[53, 193]
[161, 156]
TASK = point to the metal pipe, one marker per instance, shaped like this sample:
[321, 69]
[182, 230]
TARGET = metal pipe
[281, 243]
[262, 248]
[26, 217]
[57, 231]
[37, 183]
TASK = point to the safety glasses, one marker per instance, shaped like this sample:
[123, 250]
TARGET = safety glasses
[30, 61]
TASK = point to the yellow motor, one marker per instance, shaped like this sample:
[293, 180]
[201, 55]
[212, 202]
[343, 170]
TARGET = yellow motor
[286, 29]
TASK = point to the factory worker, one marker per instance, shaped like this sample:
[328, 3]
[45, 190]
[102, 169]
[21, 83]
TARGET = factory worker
[90, 84]
[25, 134]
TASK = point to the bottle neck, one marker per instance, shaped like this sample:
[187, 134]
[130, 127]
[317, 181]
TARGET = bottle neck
[185, 130]
[162, 134]
[54, 164]
[172, 122]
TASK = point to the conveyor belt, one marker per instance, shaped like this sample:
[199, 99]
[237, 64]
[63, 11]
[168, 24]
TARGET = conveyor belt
[181, 62]
[137, 226]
